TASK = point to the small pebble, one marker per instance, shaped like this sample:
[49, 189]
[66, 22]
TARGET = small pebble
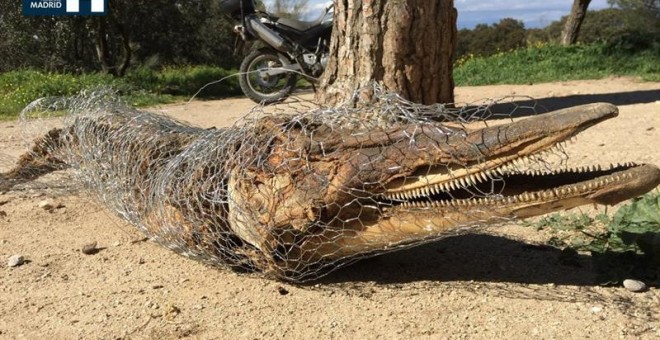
[282, 290]
[15, 261]
[47, 205]
[172, 309]
[50, 205]
[89, 249]
[634, 286]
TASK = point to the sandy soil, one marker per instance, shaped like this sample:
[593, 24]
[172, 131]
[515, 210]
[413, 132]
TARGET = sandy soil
[494, 285]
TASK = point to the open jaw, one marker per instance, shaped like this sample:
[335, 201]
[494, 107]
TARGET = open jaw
[533, 192]
[498, 172]
[435, 200]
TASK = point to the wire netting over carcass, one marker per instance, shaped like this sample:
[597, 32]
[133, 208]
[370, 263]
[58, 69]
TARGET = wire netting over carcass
[290, 191]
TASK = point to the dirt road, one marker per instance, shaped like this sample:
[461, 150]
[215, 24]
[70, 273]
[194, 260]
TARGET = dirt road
[494, 285]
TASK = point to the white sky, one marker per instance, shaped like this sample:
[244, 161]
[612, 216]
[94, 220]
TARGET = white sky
[534, 13]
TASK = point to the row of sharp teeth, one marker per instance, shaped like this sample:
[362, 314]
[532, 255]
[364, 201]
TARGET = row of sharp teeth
[435, 189]
[474, 179]
[512, 167]
[521, 198]
[523, 162]
[583, 169]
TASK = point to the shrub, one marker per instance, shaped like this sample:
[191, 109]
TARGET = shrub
[140, 87]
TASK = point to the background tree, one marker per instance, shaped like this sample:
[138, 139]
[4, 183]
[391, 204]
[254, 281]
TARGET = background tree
[508, 34]
[572, 27]
[631, 28]
[642, 21]
[139, 32]
[647, 5]
[46, 43]
[115, 60]
[407, 45]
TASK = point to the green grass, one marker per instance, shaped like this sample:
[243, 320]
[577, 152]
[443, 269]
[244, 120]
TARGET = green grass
[187, 80]
[141, 87]
[624, 245]
[547, 63]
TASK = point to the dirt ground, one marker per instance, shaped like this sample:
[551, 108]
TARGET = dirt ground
[499, 284]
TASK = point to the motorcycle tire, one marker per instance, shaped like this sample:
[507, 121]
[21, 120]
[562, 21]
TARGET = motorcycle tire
[261, 88]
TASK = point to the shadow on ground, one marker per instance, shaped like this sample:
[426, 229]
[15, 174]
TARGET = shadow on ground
[527, 107]
[472, 257]
[478, 264]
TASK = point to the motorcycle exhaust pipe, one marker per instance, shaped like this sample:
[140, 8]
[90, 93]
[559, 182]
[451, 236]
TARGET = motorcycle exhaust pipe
[257, 28]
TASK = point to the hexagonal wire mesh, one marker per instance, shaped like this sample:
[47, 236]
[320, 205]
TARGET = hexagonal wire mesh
[291, 191]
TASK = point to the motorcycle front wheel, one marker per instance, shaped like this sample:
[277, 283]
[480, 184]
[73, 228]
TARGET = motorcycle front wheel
[261, 87]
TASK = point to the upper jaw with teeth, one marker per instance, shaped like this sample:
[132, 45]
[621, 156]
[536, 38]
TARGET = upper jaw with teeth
[437, 179]
[528, 142]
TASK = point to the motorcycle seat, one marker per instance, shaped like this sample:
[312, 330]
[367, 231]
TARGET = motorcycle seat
[300, 25]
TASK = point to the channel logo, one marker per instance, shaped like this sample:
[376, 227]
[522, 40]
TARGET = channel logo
[65, 7]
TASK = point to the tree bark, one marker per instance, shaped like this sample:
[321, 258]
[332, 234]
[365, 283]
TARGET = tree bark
[102, 47]
[406, 45]
[109, 64]
[572, 27]
[127, 51]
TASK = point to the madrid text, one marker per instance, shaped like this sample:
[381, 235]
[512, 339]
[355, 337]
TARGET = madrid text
[46, 4]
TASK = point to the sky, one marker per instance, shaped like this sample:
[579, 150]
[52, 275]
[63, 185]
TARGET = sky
[534, 13]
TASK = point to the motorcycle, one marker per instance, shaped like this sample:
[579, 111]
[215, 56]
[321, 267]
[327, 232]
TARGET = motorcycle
[269, 74]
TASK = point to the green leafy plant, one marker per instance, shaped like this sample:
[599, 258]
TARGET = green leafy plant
[622, 246]
[636, 227]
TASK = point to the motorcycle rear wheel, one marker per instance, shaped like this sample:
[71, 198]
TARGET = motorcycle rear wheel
[263, 88]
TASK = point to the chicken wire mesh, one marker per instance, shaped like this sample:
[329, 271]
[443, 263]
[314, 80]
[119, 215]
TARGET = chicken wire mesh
[291, 191]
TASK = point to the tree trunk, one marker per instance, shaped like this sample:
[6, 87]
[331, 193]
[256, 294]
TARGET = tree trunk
[127, 51]
[406, 45]
[572, 28]
[102, 47]
[111, 64]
